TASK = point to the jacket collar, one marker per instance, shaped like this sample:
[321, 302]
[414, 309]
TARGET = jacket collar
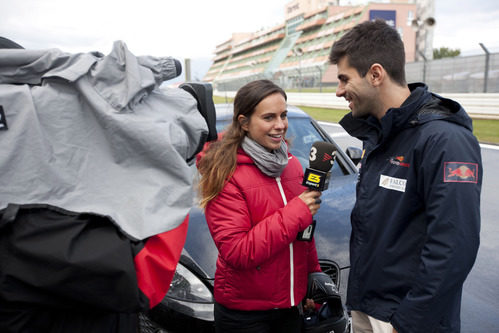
[396, 119]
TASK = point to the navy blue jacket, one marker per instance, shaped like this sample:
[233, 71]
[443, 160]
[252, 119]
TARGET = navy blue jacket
[416, 221]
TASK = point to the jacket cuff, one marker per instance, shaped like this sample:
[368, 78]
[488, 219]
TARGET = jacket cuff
[302, 212]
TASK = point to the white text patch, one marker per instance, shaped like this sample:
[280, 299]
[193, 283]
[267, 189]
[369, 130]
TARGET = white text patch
[392, 183]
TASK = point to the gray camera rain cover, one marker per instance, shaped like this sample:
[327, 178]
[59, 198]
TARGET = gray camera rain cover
[94, 133]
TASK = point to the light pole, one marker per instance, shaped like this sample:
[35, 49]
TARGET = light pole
[187, 65]
[424, 65]
[320, 77]
[252, 65]
[278, 75]
[225, 91]
[421, 26]
[486, 74]
[298, 52]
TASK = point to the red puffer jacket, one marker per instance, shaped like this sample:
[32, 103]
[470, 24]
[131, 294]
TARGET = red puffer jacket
[260, 264]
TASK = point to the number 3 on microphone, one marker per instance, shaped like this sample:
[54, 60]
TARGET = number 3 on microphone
[313, 153]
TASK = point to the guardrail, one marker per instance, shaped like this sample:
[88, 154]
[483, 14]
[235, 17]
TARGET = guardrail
[479, 106]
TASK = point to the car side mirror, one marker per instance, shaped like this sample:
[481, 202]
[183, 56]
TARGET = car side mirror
[355, 154]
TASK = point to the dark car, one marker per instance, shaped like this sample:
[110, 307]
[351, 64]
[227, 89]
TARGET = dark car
[188, 306]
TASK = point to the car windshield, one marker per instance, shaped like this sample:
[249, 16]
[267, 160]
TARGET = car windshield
[301, 135]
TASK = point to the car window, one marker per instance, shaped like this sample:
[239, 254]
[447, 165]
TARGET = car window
[221, 125]
[301, 135]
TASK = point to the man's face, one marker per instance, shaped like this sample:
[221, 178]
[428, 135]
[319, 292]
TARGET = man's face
[360, 94]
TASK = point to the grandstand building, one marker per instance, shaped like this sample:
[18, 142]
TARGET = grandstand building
[295, 53]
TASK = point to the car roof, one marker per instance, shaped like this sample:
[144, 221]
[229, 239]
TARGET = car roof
[225, 111]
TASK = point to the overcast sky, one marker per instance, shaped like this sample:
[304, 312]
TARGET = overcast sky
[463, 24]
[192, 29]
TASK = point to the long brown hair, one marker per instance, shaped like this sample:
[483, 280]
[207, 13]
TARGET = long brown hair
[219, 162]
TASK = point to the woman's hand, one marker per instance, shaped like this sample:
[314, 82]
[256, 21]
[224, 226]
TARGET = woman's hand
[312, 200]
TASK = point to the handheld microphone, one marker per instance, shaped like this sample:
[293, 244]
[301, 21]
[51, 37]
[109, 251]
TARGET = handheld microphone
[316, 177]
[321, 159]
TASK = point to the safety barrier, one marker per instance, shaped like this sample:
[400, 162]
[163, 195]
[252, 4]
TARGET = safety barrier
[478, 105]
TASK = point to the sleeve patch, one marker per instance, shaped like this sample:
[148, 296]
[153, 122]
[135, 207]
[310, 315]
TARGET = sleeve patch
[460, 172]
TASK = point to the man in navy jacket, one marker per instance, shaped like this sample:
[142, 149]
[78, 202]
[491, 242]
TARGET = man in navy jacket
[416, 221]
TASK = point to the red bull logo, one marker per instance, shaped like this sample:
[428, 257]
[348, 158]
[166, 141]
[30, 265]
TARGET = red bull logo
[460, 172]
[400, 161]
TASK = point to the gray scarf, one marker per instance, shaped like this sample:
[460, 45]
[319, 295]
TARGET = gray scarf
[270, 163]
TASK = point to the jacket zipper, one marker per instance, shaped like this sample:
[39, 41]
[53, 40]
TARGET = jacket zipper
[291, 266]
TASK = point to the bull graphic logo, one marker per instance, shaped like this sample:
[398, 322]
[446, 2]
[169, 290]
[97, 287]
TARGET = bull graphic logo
[460, 172]
[399, 160]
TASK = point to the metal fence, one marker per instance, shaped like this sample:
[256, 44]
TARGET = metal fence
[297, 79]
[458, 75]
[470, 74]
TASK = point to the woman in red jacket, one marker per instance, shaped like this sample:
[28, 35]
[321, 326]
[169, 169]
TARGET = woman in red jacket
[255, 207]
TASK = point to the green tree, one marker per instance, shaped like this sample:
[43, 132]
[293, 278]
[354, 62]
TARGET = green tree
[445, 52]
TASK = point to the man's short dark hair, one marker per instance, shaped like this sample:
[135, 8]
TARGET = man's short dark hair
[372, 42]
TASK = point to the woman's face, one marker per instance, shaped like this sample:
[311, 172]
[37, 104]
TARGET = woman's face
[268, 123]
